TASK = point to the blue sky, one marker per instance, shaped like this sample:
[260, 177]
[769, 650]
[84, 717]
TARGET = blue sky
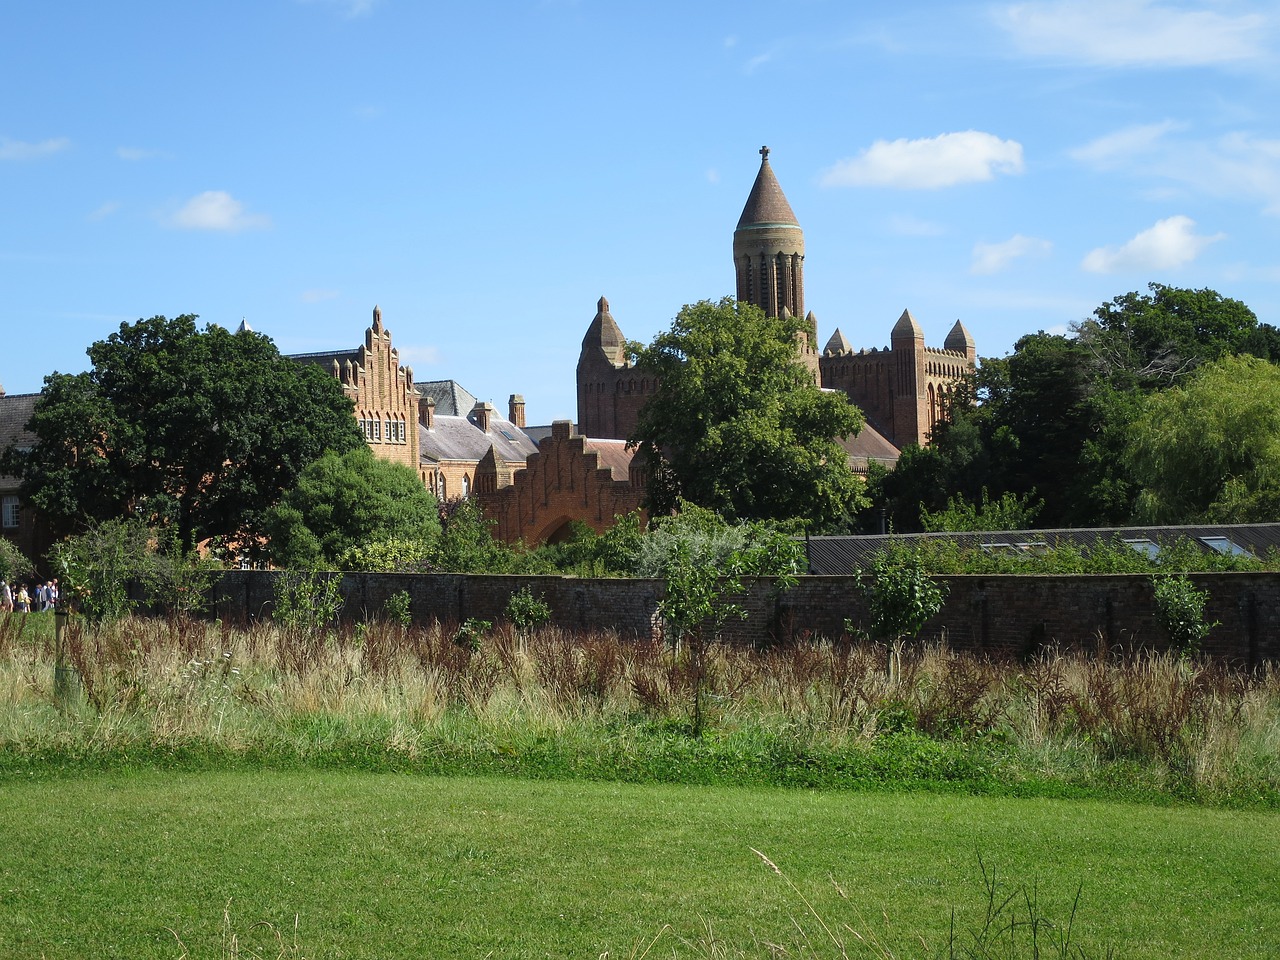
[485, 171]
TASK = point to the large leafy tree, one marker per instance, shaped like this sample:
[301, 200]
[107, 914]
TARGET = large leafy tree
[1209, 449]
[1053, 419]
[738, 425]
[347, 500]
[198, 430]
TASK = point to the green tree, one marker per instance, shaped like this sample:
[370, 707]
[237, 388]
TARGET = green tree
[738, 425]
[201, 430]
[349, 500]
[1209, 450]
[1052, 420]
[1152, 340]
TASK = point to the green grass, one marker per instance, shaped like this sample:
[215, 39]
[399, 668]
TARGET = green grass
[123, 864]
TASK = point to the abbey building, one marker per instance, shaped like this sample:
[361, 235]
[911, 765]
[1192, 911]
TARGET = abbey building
[903, 389]
[535, 482]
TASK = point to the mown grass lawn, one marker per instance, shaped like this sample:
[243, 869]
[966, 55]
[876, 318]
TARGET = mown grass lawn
[380, 865]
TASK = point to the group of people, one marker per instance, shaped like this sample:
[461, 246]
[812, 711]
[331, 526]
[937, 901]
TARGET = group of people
[40, 596]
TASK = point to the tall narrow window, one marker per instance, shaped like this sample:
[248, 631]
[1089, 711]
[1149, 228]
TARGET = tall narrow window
[10, 510]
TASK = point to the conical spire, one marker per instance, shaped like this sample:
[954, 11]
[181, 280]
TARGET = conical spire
[838, 344]
[606, 335]
[766, 204]
[959, 339]
[906, 327]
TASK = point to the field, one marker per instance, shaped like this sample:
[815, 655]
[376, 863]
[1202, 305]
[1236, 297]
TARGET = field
[196, 791]
[143, 865]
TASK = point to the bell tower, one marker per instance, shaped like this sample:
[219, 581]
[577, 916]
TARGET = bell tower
[768, 248]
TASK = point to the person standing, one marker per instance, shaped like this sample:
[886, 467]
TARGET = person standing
[22, 600]
[6, 596]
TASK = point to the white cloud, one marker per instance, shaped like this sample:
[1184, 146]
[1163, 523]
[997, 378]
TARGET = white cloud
[217, 210]
[1133, 33]
[926, 164]
[1235, 165]
[20, 150]
[713, 175]
[905, 225]
[1170, 243]
[994, 257]
[319, 296]
[106, 210]
[1113, 149]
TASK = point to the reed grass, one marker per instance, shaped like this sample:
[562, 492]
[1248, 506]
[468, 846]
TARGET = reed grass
[557, 704]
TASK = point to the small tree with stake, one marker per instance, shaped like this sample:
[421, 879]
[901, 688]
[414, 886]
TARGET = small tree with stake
[900, 600]
[703, 561]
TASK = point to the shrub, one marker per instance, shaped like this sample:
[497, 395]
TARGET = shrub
[527, 612]
[1180, 612]
[307, 601]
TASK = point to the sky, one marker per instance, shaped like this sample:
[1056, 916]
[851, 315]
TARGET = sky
[485, 171]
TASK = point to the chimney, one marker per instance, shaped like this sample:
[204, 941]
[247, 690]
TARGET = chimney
[427, 412]
[482, 414]
[515, 408]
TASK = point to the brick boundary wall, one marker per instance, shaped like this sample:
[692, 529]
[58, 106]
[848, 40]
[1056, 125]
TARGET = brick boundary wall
[1004, 616]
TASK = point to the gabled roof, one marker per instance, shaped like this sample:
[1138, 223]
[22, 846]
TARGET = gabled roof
[15, 412]
[611, 455]
[325, 358]
[766, 203]
[458, 438]
[870, 444]
[451, 399]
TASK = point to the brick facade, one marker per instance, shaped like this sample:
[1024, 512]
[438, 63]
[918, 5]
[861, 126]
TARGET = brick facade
[570, 478]
[903, 389]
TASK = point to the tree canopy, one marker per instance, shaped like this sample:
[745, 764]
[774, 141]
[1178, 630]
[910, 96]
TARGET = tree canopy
[1209, 450]
[1053, 422]
[738, 425]
[349, 500]
[198, 430]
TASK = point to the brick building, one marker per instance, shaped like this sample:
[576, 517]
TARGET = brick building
[903, 389]
[18, 521]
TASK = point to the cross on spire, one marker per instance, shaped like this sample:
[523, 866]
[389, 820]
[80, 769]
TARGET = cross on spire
[764, 152]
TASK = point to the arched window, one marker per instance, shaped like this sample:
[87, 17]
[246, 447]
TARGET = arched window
[466, 486]
[441, 492]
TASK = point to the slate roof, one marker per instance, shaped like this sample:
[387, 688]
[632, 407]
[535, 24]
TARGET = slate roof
[458, 438]
[15, 411]
[325, 358]
[838, 556]
[451, 399]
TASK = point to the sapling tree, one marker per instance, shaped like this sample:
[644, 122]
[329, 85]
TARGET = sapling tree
[900, 599]
[703, 562]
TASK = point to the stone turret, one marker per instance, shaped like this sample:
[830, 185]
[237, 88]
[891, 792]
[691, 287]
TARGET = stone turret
[961, 341]
[610, 390]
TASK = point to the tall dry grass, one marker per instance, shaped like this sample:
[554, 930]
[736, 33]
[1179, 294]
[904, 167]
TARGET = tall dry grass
[401, 689]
